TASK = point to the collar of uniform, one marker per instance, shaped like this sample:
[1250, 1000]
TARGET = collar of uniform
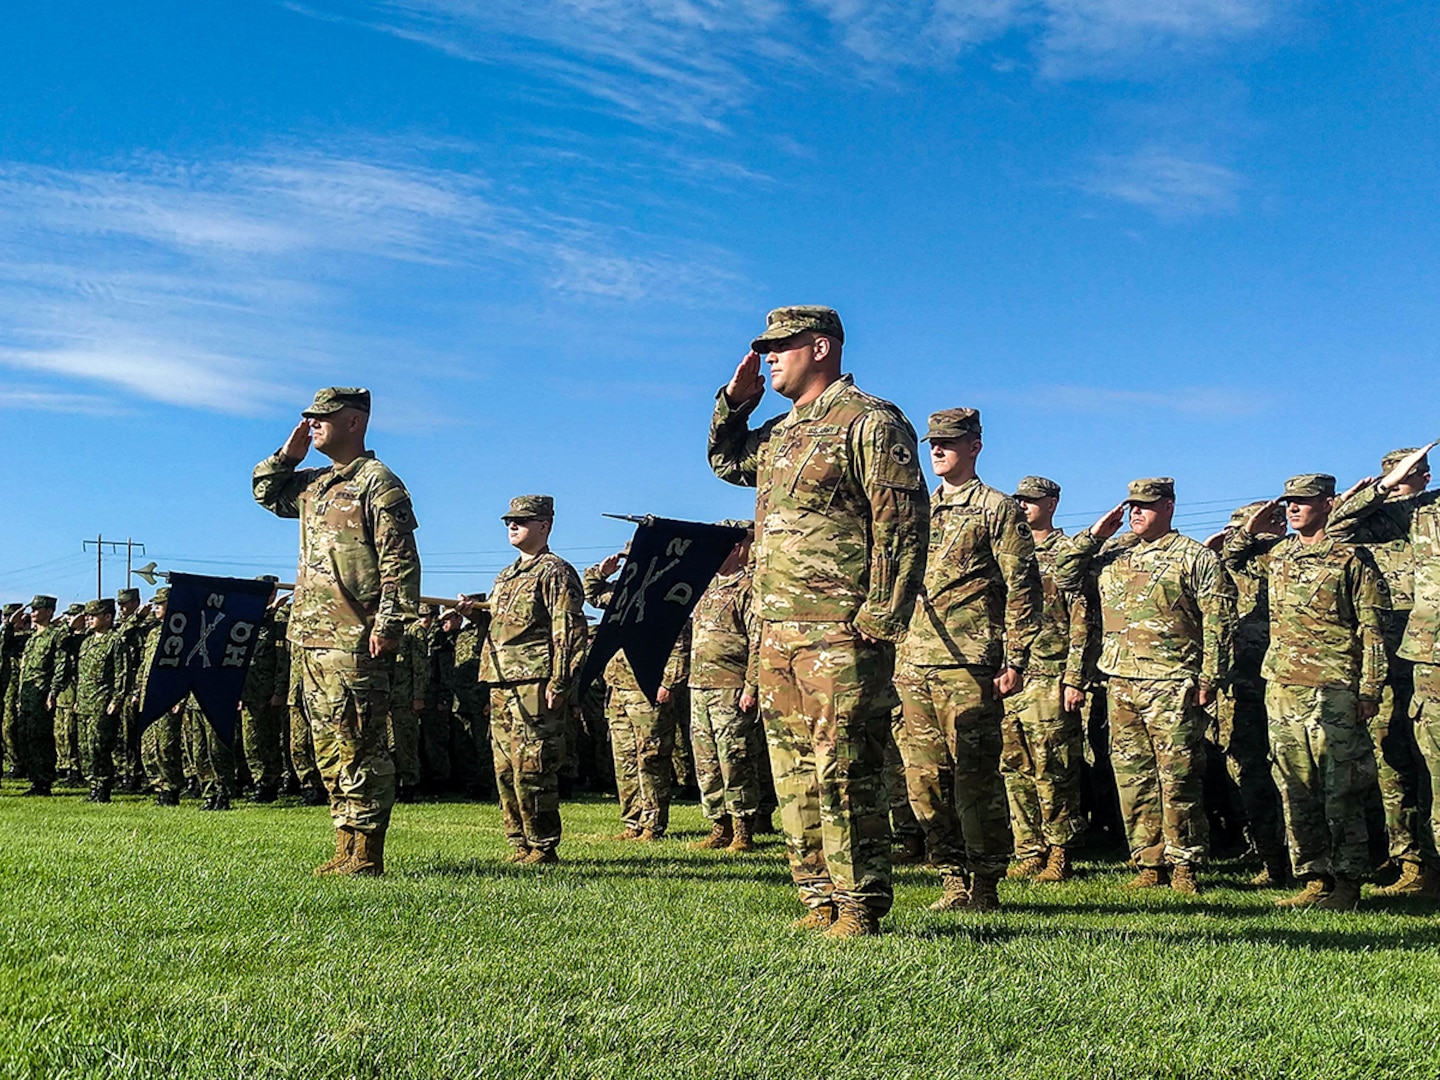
[959, 496]
[821, 405]
[1310, 551]
[1056, 535]
[1158, 544]
[522, 563]
[345, 472]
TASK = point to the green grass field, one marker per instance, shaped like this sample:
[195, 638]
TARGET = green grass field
[147, 942]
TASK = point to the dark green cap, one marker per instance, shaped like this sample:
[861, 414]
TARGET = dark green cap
[75, 609]
[127, 596]
[100, 607]
[43, 602]
[786, 322]
[1151, 489]
[10, 609]
[953, 424]
[1036, 487]
[530, 506]
[162, 595]
[332, 399]
[1310, 486]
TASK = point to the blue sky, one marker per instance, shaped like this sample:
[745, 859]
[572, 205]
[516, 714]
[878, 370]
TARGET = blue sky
[1184, 237]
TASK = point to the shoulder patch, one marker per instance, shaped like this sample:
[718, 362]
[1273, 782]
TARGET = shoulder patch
[901, 454]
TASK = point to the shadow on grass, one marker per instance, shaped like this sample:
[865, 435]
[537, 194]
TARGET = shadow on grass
[621, 868]
[1405, 937]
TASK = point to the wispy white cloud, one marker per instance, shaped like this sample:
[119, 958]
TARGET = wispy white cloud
[1098, 400]
[1168, 184]
[36, 400]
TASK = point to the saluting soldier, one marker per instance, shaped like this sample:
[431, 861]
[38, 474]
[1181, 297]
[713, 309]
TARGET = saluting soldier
[41, 662]
[99, 696]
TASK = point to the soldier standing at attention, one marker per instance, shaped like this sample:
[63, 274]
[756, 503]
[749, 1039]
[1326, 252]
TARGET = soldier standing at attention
[67, 738]
[357, 586]
[1044, 735]
[1167, 608]
[531, 659]
[841, 529]
[99, 696]
[409, 678]
[160, 742]
[261, 701]
[724, 720]
[1325, 672]
[40, 667]
[13, 631]
[472, 706]
[1400, 522]
[967, 651]
[132, 621]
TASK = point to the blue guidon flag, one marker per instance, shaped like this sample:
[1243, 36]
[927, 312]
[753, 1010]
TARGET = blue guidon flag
[671, 563]
[206, 645]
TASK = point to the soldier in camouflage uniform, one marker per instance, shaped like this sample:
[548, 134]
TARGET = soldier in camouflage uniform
[1399, 521]
[302, 740]
[261, 701]
[1325, 672]
[967, 650]
[724, 720]
[642, 732]
[132, 621]
[472, 707]
[841, 528]
[358, 586]
[160, 742]
[13, 632]
[67, 737]
[1043, 724]
[1242, 728]
[41, 664]
[1168, 609]
[408, 679]
[435, 763]
[531, 659]
[99, 696]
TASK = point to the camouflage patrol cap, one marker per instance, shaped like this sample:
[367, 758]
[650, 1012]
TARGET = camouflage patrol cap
[162, 595]
[10, 609]
[1036, 487]
[429, 609]
[1310, 486]
[75, 609]
[530, 506]
[1390, 460]
[43, 602]
[332, 399]
[786, 322]
[1243, 514]
[100, 607]
[127, 596]
[953, 424]
[1151, 489]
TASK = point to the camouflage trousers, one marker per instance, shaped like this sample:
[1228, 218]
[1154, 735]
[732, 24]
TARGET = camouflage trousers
[724, 739]
[1243, 738]
[474, 769]
[1404, 785]
[435, 764]
[1325, 768]
[260, 741]
[1040, 763]
[160, 750]
[826, 695]
[302, 749]
[527, 740]
[902, 816]
[127, 746]
[35, 737]
[951, 743]
[98, 730]
[682, 758]
[402, 742]
[67, 734]
[214, 760]
[1426, 710]
[9, 729]
[1157, 749]
[642, 740]
[346, 695]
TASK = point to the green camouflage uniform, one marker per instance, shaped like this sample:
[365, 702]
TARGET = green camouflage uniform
[1042, 749]
[1388, 527]
[99, 695]
[1326, 654]
[1167, 610]
[435, 765]
[536, 642]
[302, 739]
[40, 665]
[642, 735]
[723, 668]
[359, 574]
[474, 765]
[133, 629]
[12, 645]
[841, 527]
[979, 611]
[267, 679]
[67, 735]
[160, 742]
[409, 677]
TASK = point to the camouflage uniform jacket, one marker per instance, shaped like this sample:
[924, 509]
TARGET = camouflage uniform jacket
[42, 662]
[980, 604]
[410, 677]
[469, 691]
[725, 635]
[1063, 645]
[67, 669]
[537, 624]
[440, 666]
[1404, 535]
[12, 645]
[1167, 607]
[269, 673]
[1252, 630]
[1326, 601]
[359, 568]
[618, 673]
[100, 683]
[840, 508]
[133, 630]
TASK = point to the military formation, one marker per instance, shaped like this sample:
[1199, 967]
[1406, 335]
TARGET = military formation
[906, 674]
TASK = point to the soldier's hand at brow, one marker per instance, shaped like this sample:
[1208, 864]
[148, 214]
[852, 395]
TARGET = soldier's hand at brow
[1216, 541]
[381, 645]
[1406, 466]
[1109, 525]
[747, 384]
[298, 445]
[1262, 517]
[610, 564]
[1353, 488]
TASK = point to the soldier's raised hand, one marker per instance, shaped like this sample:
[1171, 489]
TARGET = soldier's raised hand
[298, 445]
[747, 384]
[1406, 466]
[1110, 524]
[1262, 517]
[611, 563]
[1353, 488]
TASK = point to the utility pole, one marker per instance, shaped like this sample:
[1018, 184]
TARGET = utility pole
[101, 544]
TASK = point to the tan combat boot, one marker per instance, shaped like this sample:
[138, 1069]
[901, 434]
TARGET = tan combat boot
[984, 894]
[1345, 896]
[820, 917]
[540, 857]
[518, 855]
[721, 833]
[1183, 879]
[1027, 867]
[630, 832]
[368, 858]
[853, 920]
[1057, 867]
[344, 848]
[742, 841]
[1275, 873]
[954, 895]
[1150, 877]
[1316, 889]
[1413, 881]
